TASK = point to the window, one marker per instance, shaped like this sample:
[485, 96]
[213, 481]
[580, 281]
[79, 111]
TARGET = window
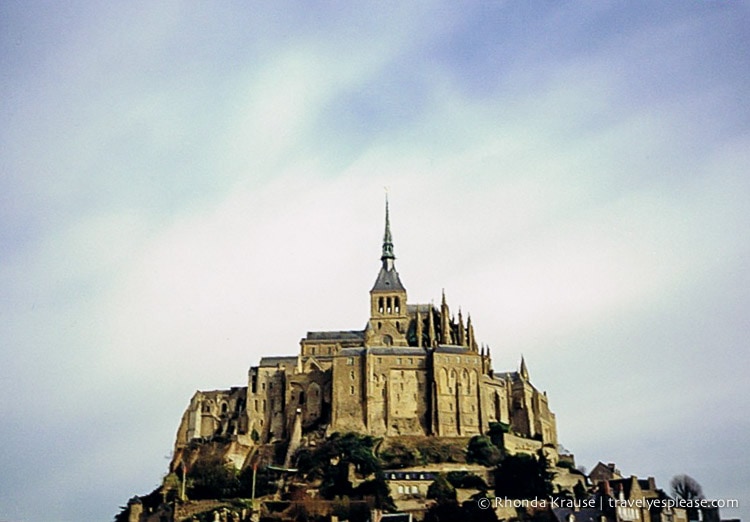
[388, 306]
[401, 489]
[397, 304]
[380, 306]
[350, 361]
[414, 490]
[351, 390]
[351, 375]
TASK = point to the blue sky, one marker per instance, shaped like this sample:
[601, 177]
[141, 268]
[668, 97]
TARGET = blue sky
[185, 187]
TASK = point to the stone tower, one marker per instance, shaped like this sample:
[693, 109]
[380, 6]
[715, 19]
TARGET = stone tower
[389, 320]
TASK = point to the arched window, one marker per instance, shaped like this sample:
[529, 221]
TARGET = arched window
[388, 305]
[397, 304]
[380, 305]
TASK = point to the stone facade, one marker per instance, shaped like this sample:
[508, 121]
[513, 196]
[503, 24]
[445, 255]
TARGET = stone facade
[415, 369]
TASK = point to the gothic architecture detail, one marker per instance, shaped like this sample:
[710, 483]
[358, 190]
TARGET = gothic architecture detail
[415, 369]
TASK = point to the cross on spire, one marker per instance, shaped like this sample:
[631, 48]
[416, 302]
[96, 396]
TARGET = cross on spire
[387, 258]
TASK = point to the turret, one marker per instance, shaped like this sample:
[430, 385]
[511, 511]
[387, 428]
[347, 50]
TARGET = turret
[471, 338]
[461, 331]
[419, 328]
[445, 322]
[524, 372]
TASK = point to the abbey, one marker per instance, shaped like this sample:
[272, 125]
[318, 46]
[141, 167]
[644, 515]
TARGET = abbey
[415, 369]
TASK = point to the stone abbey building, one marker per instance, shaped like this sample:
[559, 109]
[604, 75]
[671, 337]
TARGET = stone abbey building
[414, 370]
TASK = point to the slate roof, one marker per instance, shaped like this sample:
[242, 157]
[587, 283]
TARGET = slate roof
[388, 280]
[444, 348]
[351, 351]
[266, 362]
[342, 335]
[397, 350]
[411, 309]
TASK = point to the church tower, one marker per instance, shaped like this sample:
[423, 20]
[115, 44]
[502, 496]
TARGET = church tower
[389, 320]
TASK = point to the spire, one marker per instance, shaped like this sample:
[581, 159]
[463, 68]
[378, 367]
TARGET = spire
[431, 327]
[388, 279]
[461, 330]
[445, 324]
[419, 328]
[470, 338]
[524, 371]
[387, 257]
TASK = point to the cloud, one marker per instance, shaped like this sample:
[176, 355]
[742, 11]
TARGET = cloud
[186, 190]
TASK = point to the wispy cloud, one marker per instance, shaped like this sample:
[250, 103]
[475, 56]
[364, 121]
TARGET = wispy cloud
[186, 189]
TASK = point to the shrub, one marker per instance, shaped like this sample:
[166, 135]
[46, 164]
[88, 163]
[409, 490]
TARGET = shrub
[523, 476]
[482, 451]
[441, 490]
[466, 480]
[212, 479]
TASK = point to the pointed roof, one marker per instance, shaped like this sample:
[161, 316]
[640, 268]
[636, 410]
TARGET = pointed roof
[388, 279]
[524, 371]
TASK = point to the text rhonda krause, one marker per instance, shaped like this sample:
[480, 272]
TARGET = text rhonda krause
[601, 502]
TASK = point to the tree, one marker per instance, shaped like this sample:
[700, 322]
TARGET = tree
[475, 511]
[466, 480]
[212, 479]
[441, 490]
[687, 488]
[497, 431]
[523, 476]
[482, 451]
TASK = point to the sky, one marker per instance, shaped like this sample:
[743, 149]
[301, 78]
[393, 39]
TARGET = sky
[188, 186]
